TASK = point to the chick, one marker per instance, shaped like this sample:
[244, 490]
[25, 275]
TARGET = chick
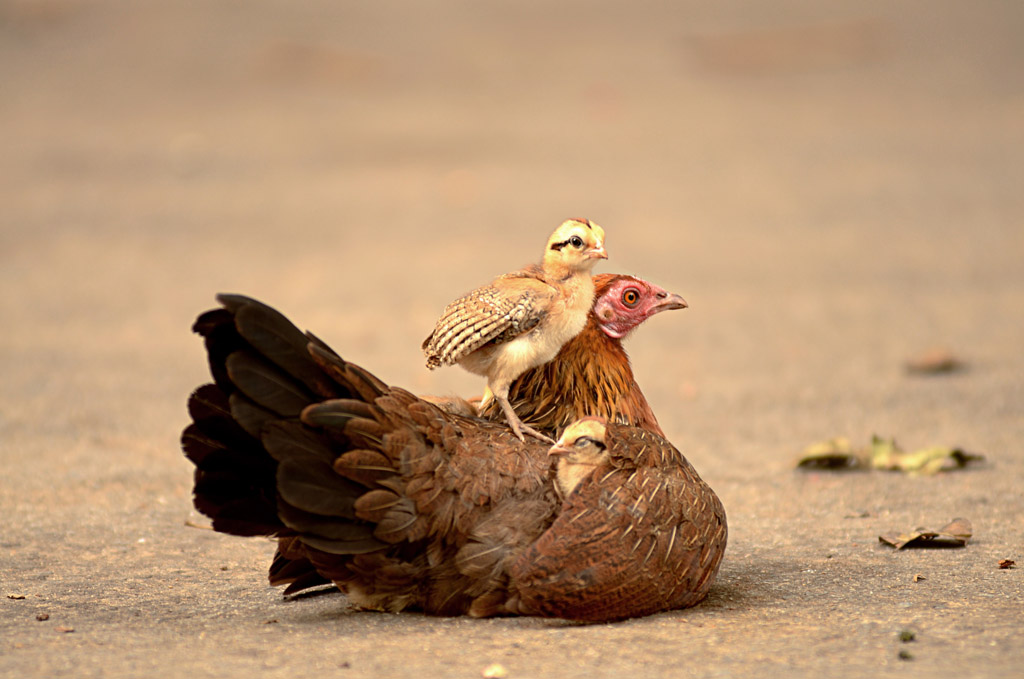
[580, 450]
[521, 319]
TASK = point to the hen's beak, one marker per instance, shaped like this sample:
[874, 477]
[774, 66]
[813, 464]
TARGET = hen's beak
[667, 301]
[597, 253]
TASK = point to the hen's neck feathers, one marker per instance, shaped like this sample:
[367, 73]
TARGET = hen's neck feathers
[591, 375]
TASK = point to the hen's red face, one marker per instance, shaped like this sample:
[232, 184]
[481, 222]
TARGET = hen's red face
[624, 302]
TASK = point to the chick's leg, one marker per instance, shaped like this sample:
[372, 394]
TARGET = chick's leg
[518, 426]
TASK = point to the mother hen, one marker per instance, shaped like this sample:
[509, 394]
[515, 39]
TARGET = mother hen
[399, 503]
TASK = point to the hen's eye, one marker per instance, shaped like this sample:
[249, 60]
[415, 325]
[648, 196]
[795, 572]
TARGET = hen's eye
[576, 242]
[631, 297]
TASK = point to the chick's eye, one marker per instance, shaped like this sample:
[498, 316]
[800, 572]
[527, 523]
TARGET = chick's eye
[576, 242]
[631, 298]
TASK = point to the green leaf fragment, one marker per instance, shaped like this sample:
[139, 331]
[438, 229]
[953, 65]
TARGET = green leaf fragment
[884, 454]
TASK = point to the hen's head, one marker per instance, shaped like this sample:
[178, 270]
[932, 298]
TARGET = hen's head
[580, 450]
[622, 302]
[575, 246]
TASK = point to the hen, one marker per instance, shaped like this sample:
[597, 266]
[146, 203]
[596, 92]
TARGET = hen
[521, 320]
[591, 375]
[397, 502]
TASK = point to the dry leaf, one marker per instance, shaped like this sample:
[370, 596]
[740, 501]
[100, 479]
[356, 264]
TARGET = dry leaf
[933, 361]
[1007, 563]
[16, 597]
[837, 455]
[887, 455]
[834, 454]
[919, 578]
[956, 533]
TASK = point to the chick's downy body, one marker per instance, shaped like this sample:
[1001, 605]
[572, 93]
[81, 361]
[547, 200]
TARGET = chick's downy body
[521, 319]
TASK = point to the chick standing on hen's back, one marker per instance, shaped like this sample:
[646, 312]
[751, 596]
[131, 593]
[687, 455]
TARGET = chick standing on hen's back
[523, 318]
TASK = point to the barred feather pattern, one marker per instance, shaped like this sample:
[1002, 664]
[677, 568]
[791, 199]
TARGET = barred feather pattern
[485, 316]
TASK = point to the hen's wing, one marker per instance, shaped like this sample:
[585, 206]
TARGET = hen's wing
[643, 534]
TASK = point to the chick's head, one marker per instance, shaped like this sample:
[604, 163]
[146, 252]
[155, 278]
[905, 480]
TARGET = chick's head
[622, 302]
[574, 247]
[580, 450]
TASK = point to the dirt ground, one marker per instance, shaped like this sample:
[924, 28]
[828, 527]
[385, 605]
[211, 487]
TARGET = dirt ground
[834, 187]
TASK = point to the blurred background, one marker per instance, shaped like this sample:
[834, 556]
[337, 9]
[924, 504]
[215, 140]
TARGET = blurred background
[834, 187]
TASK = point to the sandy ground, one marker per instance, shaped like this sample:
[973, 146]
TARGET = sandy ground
[833, 190]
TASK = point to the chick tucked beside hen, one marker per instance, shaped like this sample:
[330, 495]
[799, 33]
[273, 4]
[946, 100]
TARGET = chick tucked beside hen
[521, 319]
[579, 451]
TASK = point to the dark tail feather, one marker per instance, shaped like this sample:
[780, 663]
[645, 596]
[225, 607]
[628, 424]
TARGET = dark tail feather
[291, 568]
[217, 328]
[308, 581]
[260, 470]
[234, 477]
[360, 383]
[276, 339]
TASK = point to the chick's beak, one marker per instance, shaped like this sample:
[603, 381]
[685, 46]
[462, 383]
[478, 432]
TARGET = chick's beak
[559, 450]
[597, 253]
